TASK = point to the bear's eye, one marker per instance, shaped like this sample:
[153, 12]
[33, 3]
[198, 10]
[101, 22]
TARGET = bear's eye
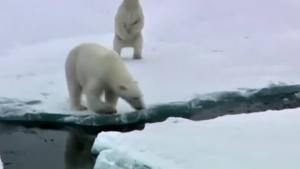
[123, 87]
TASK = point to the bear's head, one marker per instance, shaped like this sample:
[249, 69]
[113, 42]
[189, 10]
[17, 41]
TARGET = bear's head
[131, 93]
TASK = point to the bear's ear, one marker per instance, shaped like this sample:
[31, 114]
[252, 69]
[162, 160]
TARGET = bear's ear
[123, 87]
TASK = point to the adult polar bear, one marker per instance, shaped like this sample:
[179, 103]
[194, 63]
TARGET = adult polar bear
[129, 23]
[94, 70]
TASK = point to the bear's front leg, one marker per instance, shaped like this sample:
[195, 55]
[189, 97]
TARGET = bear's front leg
[111, 98]
[94, 103]
[98, 106]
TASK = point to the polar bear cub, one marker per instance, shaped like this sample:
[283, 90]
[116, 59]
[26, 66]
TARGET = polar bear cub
[129, 22]
[95, 71]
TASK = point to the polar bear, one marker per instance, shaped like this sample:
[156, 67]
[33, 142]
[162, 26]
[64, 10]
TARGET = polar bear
[95, 70]
[129, 22]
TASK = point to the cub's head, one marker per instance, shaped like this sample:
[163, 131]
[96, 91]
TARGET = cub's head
[131, 93]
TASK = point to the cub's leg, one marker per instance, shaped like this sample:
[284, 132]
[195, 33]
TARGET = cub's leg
[93, 91]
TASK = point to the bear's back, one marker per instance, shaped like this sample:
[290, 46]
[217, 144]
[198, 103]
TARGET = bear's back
[94, 61]
[91, 53]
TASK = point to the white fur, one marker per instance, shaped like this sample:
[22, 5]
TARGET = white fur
[95, 70]
[129, 23]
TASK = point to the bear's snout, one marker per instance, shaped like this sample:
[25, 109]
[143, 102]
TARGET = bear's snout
[137, 104]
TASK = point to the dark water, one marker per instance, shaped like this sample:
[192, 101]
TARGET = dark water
[24, 148]
[50, 147]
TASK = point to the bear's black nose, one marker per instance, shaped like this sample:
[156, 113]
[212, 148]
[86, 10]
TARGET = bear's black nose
[140, 107]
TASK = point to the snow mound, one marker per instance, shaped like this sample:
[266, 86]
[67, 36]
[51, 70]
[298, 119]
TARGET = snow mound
[263, 140]
[121, 158]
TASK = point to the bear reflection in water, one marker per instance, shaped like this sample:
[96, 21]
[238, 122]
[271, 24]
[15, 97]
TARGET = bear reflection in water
[78, 151]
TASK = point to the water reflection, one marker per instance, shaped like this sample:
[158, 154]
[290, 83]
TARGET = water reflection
[78, 151]
[33, 148]
[48, 147]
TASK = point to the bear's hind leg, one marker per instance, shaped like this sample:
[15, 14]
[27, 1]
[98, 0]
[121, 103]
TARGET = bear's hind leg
[111, 98]
[138, 47]
[118, 45]
[93, 93]
[75, 92]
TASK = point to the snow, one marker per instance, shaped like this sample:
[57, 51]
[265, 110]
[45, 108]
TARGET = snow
[210, 46]
[261, 140]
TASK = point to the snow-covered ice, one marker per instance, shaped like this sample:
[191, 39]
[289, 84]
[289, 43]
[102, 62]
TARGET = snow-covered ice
[191, 47]
[261, 140]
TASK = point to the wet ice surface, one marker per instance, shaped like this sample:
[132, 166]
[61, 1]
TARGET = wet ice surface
[262, 140]
[202, 107]
[22, 148]
[1, 165]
